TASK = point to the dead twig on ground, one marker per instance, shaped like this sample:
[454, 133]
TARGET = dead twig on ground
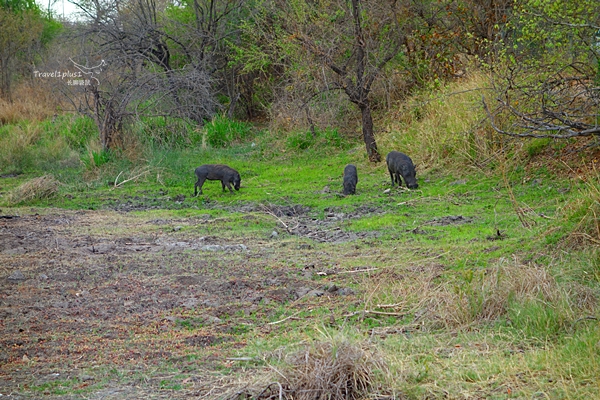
[267, 388]
[118, 184]
[367, 312]
[358, 270]
[286, 226]
[389, 305]
[326, 273]
[291, 316]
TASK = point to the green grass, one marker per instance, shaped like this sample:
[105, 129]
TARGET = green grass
[223, 132]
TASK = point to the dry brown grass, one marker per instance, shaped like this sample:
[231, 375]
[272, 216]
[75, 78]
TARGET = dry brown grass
[466, 298]
[487, 294]
[30, 103]
[584, 210]
[444, 129]
[336, 368]
[332, 370]
[43, 187]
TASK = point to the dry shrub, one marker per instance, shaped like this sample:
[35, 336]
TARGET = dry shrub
[40, 188]
[328, 370]
[290, 112]
[486, 295]
[133, 148]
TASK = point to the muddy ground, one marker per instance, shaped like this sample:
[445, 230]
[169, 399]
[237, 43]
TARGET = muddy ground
[113, 304]
[106, 304]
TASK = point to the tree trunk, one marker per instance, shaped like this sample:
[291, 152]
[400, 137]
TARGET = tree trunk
[5, 90]
[368, 135]
[107, 120]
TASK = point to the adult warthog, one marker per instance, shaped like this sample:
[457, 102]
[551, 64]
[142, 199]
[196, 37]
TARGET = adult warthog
[217, 172]
[400, 165]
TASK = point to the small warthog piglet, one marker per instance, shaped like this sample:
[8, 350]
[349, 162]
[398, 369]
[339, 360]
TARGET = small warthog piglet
[350, 179]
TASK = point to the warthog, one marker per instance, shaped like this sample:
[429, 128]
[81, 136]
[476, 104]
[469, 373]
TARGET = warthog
[400, 165]
[350, 179]
[217, 172]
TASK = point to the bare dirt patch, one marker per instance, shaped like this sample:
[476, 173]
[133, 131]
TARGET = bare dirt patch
[85, 295]
[298, 220]
[449, 220]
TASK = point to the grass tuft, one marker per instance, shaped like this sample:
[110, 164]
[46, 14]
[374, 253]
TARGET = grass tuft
[223, 132]
[472, 297]
[41, 188]
[328, 370]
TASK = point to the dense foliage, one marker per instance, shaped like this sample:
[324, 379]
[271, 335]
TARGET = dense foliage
[306, 65]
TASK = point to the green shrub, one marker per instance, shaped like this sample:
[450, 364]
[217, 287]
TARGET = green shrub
[302, 140]
[96, 158]
[76, 130]
[16, 143]
[166, 132]
[223, 132]
[27, 147]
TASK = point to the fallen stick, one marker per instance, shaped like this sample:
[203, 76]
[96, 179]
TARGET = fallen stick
[287, 228]
[365, 312]
[291, 316]
[358, 270]
[116, 185]
[389, 305]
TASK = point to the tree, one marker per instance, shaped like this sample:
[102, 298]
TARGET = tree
[481, 25]
[353, 39]
[199, 32]
[155, 66]
[21, 28]
[548, 83]
[315, 47]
